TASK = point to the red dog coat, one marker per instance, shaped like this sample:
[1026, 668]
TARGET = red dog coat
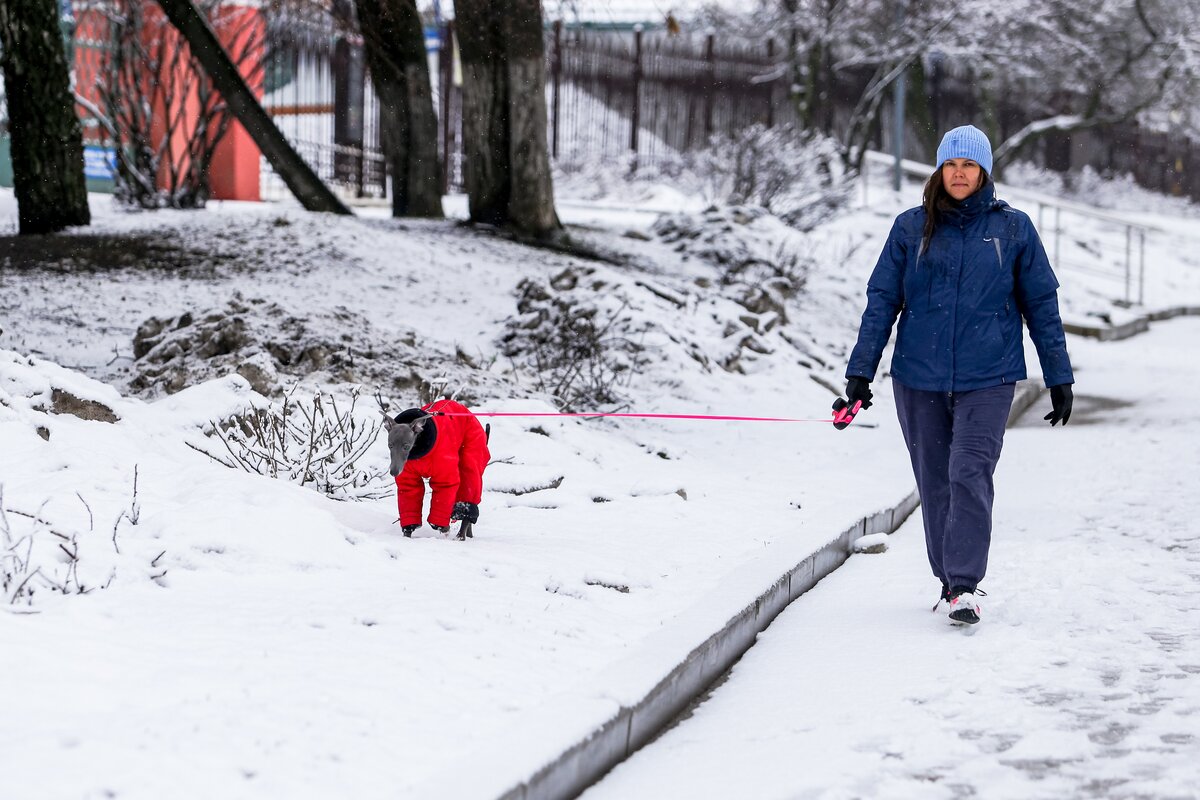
[454, 467]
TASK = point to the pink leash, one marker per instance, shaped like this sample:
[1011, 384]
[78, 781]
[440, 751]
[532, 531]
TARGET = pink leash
[639, 416]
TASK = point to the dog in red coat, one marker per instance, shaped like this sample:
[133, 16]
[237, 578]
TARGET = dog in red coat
[444, 444]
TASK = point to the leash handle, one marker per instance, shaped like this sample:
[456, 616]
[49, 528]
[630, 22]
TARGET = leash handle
[843, 412]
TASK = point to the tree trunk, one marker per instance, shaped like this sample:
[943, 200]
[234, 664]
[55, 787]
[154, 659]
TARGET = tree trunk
[47, 139]
[507, 166]
[312, 193]
[531, 207]
[485, 110]
[395, 46]
[920, 104]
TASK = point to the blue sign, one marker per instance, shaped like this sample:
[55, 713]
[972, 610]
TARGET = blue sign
[99, 162]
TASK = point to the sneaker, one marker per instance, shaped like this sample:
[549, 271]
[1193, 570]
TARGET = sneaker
[964, 606]
[440, 528]
[408, 529]
[944, 598]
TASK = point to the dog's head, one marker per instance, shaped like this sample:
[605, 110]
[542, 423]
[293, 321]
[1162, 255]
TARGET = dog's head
[401, 438]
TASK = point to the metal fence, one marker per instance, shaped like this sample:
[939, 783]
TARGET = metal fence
[1114, 255]
[318, 90]
[654, 94]
[618, 93]
[608, 94]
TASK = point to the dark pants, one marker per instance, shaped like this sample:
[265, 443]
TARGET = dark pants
[954, 441]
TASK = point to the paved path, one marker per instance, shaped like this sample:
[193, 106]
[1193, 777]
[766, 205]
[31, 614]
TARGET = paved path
[1083, 679]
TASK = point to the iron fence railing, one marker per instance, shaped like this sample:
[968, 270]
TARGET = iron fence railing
[318, 90]
[651, 93]
[608, 94]
[1113, 253]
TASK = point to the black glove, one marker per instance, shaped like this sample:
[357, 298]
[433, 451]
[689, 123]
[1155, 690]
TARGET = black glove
[465, 511]
[1060, 400]
[859, 388]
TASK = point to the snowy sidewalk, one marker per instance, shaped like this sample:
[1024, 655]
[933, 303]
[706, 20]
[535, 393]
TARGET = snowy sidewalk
[1083, 680]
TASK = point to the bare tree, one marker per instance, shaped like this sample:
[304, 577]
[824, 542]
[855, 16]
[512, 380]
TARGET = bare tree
[147, 84]
[507, 166]
[868, 45]
[842, 57]
[312, 193]
[395, 47]
[1034, 67]
[1078, 65]
[47, 139]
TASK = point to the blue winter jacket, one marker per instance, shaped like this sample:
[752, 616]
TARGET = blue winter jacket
[961, 301]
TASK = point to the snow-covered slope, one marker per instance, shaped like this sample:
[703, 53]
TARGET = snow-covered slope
[253, 637]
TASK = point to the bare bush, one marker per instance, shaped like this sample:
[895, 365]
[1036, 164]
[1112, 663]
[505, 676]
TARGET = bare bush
[155, 105]
[41, 555]
[577, 343]
[312, 443]
[798, 176]
[16, 568]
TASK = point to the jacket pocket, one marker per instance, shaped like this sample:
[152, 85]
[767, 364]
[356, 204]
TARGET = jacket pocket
[987, 355]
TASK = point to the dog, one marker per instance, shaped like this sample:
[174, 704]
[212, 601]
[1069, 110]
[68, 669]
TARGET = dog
[442, 443]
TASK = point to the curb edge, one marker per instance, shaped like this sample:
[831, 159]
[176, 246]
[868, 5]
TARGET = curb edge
[1112, 333]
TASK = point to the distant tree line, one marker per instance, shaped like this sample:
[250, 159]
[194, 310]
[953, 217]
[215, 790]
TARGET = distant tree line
[1073, 64]
[1069, 65]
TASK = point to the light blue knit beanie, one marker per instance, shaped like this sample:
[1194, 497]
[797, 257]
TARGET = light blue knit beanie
[966, 141]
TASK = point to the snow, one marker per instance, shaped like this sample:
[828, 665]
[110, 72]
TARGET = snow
[1083, 678]
[255, 638]
[625, 12]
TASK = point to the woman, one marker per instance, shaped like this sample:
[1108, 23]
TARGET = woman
[960, 271]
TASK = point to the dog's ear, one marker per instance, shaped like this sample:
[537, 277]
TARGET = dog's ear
[418, 425]
[388, 422]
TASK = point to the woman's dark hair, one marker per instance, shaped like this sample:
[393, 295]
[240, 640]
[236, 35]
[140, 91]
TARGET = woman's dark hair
[936, 200]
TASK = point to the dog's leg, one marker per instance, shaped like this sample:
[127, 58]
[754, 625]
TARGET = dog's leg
[464, 531]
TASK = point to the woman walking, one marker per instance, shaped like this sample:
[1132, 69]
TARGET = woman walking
[960, 271]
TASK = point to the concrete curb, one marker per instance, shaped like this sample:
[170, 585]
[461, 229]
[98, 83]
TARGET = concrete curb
[1112, 333]
[1176, 311]
[586, 761]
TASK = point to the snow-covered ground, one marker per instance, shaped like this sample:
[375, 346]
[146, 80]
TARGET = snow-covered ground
[297, 645]
[1083, 679]
[249, 637]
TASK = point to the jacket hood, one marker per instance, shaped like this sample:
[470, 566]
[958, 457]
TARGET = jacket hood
[427, 438]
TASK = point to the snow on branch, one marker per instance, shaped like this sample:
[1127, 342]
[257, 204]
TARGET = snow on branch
[1061, 122]
[314, 443]
[43, 551]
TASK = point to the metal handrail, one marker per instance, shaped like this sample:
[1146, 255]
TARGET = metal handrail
[1134, 230]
